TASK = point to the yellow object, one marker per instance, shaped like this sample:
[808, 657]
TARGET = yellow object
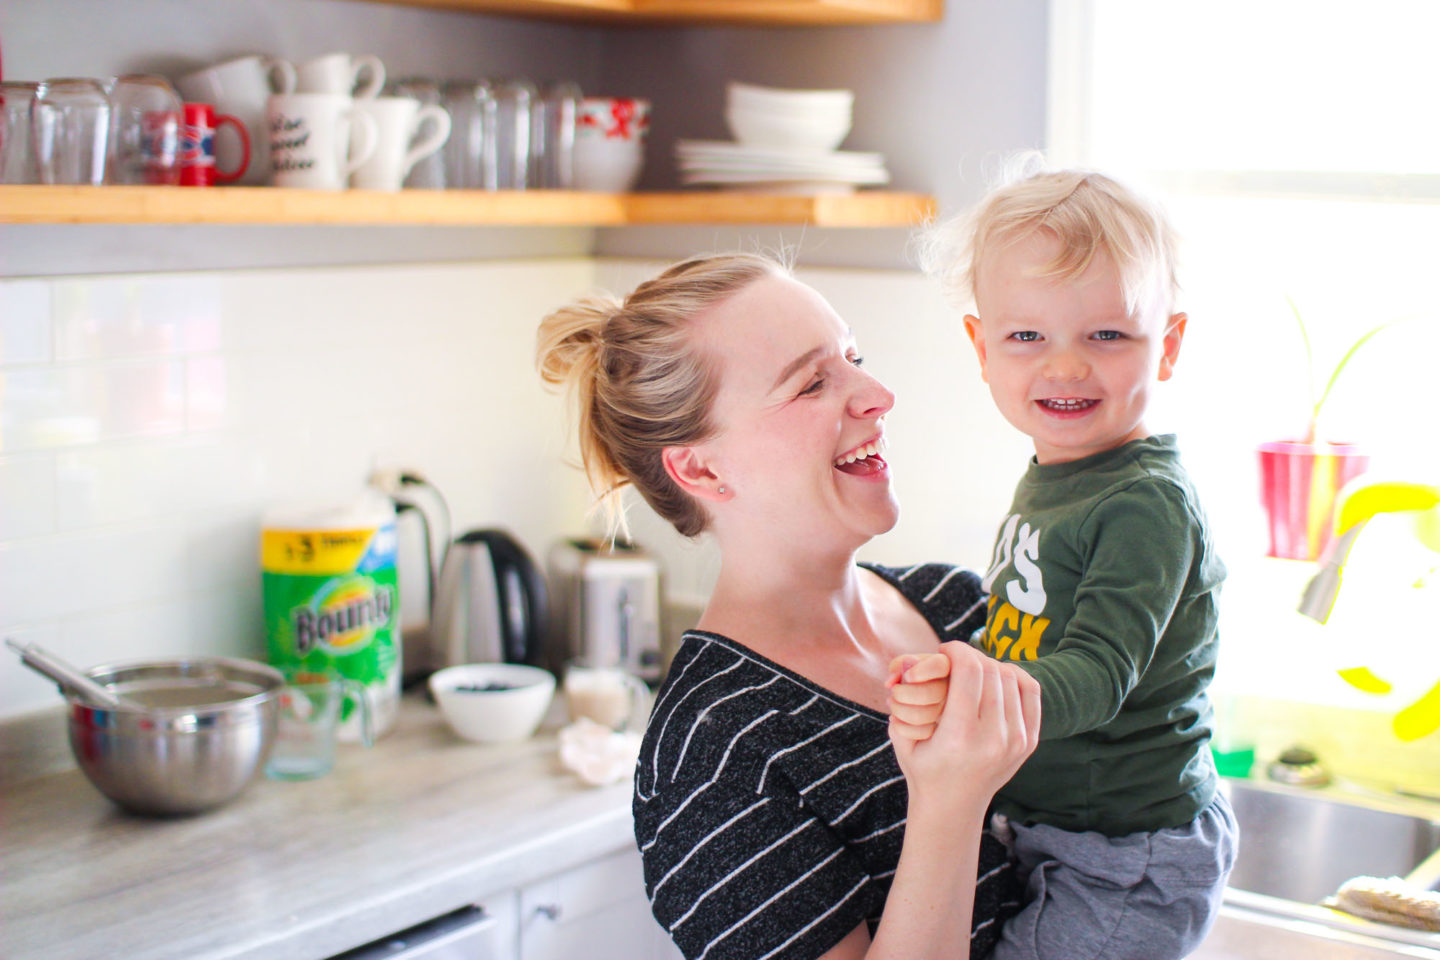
[1363, 678]
[1359, 502]
[1421, 718]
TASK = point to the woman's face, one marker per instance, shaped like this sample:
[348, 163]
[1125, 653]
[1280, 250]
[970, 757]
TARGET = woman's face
[801, 424]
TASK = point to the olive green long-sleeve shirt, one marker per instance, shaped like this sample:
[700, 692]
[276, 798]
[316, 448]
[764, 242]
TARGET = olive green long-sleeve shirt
[1104, 586]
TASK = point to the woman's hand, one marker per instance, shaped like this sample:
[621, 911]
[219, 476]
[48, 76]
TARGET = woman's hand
[917, 685]
[989, 723]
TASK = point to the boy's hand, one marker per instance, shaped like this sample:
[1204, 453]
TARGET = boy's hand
[918, 684]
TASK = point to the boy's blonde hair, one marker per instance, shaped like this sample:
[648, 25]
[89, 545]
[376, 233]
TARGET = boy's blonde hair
[1086, 211]
[641, 382]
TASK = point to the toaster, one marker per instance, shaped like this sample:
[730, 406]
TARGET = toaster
[605, 606]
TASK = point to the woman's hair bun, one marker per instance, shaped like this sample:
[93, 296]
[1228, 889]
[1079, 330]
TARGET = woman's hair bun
[568, 343]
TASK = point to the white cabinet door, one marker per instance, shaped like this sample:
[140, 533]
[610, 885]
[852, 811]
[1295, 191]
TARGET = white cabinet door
[594, 912]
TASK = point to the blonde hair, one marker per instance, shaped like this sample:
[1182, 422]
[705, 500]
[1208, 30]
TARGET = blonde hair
[641, 382]
[1087, 211]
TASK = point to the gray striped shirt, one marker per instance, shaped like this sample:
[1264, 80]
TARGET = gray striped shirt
[770, 811]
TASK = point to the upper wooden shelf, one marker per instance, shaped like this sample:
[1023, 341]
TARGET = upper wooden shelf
[770, 12]
[279, 206]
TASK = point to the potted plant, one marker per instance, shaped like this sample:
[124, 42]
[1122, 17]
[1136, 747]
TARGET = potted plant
[1299, 479]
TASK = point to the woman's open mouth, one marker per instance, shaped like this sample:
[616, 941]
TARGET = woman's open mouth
[864, 460]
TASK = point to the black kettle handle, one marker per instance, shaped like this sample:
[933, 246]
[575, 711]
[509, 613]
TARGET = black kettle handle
[525, 646]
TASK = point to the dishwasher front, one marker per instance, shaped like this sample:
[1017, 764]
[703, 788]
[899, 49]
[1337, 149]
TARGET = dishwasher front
[465, 934]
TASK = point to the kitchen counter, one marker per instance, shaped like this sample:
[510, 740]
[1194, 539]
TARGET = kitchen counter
[419, 825]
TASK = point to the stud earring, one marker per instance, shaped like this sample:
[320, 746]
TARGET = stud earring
[722, 489]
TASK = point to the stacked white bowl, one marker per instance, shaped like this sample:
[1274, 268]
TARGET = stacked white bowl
[785, 142]
[770, 117]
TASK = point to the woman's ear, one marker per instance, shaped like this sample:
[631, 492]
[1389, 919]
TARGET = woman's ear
[689, 469]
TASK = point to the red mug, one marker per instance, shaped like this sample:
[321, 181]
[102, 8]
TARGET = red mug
[197, 147]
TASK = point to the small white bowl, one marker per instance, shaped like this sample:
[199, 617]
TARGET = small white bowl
[750, 95]
[493, 702]
[765, 130]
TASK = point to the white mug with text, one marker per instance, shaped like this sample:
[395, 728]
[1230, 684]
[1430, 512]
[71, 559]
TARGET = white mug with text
[311, 146]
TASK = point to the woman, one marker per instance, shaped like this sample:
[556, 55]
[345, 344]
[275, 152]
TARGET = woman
[774, 815]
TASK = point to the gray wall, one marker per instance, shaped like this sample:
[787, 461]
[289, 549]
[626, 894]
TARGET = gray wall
[939, 100]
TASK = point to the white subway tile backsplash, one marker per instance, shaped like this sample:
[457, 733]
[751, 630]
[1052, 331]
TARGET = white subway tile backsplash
[22, 689]
[27, 496]
[25, 322]
[49, 578]
[157, 629]
[228, 622]
[138, 457]
[60, 406]
[152, 480]
[135, 316]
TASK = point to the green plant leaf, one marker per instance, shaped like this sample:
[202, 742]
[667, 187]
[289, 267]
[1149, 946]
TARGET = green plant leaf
[1340, 367]
[1309, 358]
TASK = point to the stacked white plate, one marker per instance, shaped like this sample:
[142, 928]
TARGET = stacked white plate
[776, 169]
[785, 141]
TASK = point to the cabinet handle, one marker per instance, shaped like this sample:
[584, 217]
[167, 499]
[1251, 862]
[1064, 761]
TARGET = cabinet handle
[550, 911]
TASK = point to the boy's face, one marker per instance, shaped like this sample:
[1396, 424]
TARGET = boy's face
[1065, 361]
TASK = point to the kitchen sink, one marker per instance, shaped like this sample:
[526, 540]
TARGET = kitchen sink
[1297, 845]
[1300, 844]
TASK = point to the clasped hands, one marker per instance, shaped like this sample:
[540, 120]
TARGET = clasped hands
[982, 706]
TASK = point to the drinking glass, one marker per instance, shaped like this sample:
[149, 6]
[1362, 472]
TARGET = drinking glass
[552, 153]
[145, 130]
[70, 124]
[17, 156]
[307, 724]
[470, 151]
[514, 102]
[428, 173]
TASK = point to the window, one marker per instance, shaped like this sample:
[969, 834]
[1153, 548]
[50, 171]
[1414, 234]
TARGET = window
[1296, 146]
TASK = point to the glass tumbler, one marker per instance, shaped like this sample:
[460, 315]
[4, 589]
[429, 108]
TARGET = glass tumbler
[308, 723]
[70, 125]
[145, 130]
[514, 104]
[470, 152]
[552, 140]
[17, 156]
[429, 172]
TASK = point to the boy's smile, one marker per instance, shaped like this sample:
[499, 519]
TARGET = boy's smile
[1067, 362]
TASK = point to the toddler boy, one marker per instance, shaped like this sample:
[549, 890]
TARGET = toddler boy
[1104, 580]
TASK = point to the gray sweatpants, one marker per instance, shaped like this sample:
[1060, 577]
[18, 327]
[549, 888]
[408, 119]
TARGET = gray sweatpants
[1145, 896]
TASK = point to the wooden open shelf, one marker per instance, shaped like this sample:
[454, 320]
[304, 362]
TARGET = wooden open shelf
[770, 12]
[274, 205]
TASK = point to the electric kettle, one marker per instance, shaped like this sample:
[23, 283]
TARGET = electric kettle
[490, 604]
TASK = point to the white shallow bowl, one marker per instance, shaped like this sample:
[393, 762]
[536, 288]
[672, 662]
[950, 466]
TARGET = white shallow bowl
[493, 715]
[767, 130]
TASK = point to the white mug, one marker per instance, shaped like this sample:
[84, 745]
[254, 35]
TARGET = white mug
[607, 695]
[310, 141]
[341, 73]
[241, 88]
[398, 121]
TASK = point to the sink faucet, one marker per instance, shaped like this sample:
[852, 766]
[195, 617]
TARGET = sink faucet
[1357, 505]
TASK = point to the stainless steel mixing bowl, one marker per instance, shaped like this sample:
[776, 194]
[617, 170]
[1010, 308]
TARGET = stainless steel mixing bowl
[205, 731]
